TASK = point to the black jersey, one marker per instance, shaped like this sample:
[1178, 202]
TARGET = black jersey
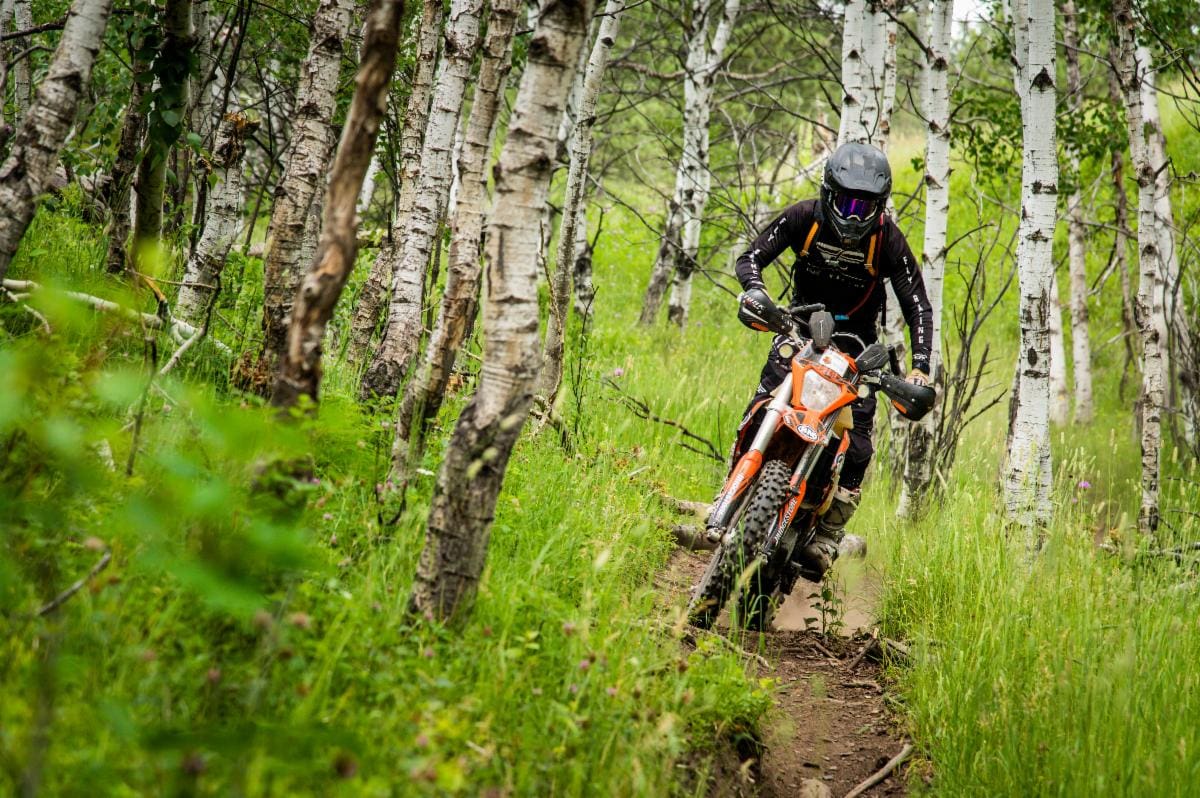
[849, 282]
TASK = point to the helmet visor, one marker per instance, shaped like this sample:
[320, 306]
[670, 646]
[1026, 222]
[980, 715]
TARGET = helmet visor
[849, 207]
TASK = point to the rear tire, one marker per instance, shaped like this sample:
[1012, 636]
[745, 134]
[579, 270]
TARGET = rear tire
[731, 562]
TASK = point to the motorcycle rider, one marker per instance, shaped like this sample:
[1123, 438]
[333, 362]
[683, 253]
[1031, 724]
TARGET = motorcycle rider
[845, 247]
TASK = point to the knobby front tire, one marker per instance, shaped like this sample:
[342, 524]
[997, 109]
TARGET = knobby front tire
[736, 561]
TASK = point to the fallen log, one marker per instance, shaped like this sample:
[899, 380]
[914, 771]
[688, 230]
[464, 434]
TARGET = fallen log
[180, 331]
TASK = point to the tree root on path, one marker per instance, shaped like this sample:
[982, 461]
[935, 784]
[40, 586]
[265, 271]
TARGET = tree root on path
[883, 772]
[877, 647]
[692, 538]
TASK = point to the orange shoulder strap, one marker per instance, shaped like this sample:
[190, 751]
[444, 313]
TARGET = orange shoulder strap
[812, 233]
[875, 246]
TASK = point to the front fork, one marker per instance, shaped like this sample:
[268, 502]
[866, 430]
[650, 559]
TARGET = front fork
[799, 481]
[749, 464]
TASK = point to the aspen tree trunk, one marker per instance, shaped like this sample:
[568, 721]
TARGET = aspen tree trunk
[36, 145]
[868, 75]
[676, 259]
[918, 467]
[402, 332]
[203, 22]
[1121, 237]
[1179, 352]
[316, 214]
[303, 178]
[697, 179]
[300, 368]
[172, 90]
[133, 129]
[581, 275]
[464, 498]
[368, 190]
[1028, 469]
[22, 78]
[423, 394]
[223, 221]
[5, 25]
[1060, 395]
[562, 156]
[412, 136]
[853, 126]
[1081, 347]
[573, 206]
[1150, 313]
[670, 243]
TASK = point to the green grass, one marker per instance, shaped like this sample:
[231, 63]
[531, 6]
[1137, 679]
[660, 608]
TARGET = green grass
[250, 634]
[250, 637]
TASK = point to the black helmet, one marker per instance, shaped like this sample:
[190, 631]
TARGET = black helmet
[857, 183]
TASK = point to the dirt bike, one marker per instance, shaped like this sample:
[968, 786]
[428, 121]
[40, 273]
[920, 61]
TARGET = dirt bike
[785, 480]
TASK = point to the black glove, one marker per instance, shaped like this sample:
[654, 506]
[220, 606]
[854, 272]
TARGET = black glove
[757, 311]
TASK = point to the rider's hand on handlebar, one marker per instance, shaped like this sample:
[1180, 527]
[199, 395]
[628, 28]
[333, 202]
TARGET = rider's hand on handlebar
[918, 377]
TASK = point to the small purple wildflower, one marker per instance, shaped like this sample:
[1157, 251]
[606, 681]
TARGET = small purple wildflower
[618, 372]
[1084, 484]
[585, 664]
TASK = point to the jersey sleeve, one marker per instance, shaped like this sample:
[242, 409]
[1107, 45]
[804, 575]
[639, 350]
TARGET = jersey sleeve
[770, 244]
[901, 269]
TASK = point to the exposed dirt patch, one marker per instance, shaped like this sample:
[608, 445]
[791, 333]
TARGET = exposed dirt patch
[830, 723]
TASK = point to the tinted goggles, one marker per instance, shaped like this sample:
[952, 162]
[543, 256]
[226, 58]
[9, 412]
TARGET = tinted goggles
[848, 206]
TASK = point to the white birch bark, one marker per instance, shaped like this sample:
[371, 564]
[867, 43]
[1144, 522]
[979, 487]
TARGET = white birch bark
[371, 298]
[852, 126]
[1179, 352]
[1028, 469]
[1060, 395]
[305, 175]
[455, 175]
[464, 498]
[202, 93]
[402, 330]
[868, 76]
[40, 135]
[21, 75]
[693, 181]
[368, 190]
[1081, 347]
[918, 467]
[585, 289]
[1150, 315]
[423, 395]
[223, 221]
[573, 206]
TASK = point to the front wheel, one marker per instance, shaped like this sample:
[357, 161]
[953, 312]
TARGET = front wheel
[734, 561]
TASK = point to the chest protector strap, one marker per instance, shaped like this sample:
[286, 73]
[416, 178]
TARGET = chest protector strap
[872, 248]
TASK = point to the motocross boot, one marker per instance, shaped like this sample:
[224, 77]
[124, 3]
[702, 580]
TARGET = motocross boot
[817, 557]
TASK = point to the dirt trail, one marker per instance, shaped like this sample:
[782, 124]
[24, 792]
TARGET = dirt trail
[830, 723]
